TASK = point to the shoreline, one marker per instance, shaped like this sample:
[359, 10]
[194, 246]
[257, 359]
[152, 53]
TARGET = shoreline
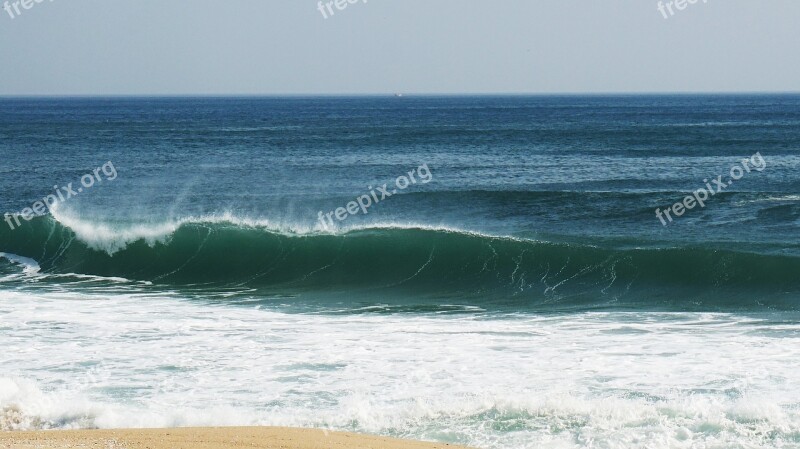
[206, 438]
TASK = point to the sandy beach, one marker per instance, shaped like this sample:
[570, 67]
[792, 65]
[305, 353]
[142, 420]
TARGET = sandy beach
[206, 438]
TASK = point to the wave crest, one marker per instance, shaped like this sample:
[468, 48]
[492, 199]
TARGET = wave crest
[393, 261]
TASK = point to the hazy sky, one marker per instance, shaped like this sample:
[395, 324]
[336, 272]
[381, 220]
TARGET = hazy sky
[385, 46]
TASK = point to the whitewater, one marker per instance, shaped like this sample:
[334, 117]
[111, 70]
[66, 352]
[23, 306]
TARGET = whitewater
[631, 380]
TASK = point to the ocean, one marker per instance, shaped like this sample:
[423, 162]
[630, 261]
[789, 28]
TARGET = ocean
[494, 271]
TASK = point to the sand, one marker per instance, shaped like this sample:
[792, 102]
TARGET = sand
[205, 438]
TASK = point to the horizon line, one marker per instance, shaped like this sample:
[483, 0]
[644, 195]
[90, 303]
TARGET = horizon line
[402, 94]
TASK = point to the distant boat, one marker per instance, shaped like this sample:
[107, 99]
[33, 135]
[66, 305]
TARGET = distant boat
[398, 95]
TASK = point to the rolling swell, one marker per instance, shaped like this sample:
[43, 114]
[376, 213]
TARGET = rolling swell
[423, 264]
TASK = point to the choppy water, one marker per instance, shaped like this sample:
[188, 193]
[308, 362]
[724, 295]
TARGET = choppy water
[525, 295]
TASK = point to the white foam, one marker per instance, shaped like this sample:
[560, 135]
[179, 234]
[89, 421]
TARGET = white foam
[605, 380]
[29, 265]
[113, 238]
[773, 198]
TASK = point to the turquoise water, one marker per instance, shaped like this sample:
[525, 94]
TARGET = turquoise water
[515, 288]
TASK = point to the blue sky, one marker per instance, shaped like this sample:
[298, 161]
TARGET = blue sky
[167, 47]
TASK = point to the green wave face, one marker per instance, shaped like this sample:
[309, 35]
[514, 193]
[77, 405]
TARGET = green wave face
[422, 265]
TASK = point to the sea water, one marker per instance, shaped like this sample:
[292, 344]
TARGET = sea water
[526, 297]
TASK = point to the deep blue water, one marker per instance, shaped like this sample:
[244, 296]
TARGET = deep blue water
[532, 202]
